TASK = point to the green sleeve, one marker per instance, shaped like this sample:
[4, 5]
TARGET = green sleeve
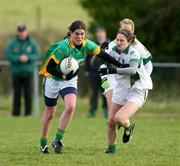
[11, 56]
[61, 52]
[92, 48]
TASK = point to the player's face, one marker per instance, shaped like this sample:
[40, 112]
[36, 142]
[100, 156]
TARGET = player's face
[78, 36]
[127, 27]
[121, 42]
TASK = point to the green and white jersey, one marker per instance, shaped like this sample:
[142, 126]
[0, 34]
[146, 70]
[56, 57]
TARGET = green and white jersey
[142, 50]
[144, 53]
[141, 80]
[66, 48]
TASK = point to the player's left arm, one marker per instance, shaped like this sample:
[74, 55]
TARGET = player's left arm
[149, 67]
[131, 70]
[134, 63]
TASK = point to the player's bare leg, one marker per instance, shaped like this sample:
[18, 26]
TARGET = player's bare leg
[112, 128]
[109, 98]
[46, 125]
[64, 121]
[122, 118]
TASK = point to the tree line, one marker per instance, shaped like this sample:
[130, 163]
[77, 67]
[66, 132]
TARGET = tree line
[157, 23]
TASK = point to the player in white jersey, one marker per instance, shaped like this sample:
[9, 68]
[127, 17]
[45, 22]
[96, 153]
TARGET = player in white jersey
[131, 88]
[109, 81]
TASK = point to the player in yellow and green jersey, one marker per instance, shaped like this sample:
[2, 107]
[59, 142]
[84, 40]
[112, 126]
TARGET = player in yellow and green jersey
[56, 83]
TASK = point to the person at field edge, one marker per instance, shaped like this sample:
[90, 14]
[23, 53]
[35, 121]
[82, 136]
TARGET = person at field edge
[56, 83]
[94, 78]
[22, 53]
[131, 88]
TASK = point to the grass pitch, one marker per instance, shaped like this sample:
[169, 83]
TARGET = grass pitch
[156, 140]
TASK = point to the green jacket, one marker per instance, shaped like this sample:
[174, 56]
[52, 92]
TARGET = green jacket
[18, 47]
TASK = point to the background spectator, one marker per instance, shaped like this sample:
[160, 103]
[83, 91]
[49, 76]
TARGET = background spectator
[94, 78]
[22, 52]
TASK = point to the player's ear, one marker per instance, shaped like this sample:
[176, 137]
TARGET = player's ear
[70, 32]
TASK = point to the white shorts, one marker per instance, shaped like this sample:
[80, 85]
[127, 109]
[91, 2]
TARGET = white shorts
[112, 83]
[53, 88]
[122, 95]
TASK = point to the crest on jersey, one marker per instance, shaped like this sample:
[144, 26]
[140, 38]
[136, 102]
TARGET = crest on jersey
[29, 49]
[132, 52]
[15, 49]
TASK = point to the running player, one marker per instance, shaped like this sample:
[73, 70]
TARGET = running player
[77, 46]
[131, 88]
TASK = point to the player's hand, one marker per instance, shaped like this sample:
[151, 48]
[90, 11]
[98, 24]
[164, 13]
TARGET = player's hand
[71, 75]
[23, 58]
[105, 83]
[104, 45]
[105, 71]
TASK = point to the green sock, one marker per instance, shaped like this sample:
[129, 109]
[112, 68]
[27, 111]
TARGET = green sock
[111, 149]
[43, 141]
[59, 134]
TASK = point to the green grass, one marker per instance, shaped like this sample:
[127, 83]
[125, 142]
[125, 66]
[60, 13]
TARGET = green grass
[155, 142]
[54, 13]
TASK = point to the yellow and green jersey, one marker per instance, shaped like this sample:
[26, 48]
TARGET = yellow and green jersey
[66, 48]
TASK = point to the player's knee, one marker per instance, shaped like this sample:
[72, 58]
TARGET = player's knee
[69, 109]
[120, 119]
[111, 124]
[50, 113]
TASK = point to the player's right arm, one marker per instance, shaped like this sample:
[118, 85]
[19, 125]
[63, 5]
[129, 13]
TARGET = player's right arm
[53, 65]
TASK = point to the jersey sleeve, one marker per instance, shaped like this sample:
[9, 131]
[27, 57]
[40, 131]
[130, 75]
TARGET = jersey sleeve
[142, 50]
[92, 48]
[56, 52]
[60, 53]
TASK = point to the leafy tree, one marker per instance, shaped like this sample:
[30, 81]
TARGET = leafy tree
[157, 22]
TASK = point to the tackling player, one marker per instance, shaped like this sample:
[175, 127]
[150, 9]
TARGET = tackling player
[77, 46]
[109, 81]
[130, 91]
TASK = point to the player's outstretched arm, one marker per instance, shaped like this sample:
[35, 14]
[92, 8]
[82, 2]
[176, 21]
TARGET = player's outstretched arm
[131, 70]
[108, 58]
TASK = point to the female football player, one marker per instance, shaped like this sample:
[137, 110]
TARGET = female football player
[130, 91]
[56, 83]
[109, 81]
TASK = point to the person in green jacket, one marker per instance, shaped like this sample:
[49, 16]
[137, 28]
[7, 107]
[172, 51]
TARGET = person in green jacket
[22, 53]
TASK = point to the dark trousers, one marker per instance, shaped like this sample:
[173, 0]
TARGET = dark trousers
[22, 83]
[95, 85]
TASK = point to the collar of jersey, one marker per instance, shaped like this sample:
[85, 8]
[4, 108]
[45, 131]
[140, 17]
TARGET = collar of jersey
[126, 50]
[72, 44]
